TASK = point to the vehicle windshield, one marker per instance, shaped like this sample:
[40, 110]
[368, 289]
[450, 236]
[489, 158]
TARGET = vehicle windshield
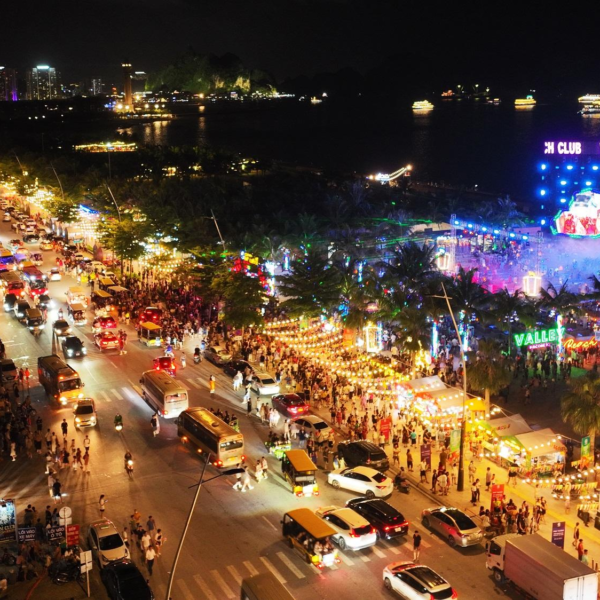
[320, 425]
[110, 542]
[85, 410]
[69, 385]
[379, 478]
[461, 519]
[267, 381]
[8, 366]
[294, 401]
[231, 445]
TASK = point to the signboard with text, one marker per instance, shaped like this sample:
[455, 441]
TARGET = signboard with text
[55, 533]
[586, 451]
[26, 534]
[72, 535]
[426, 455]
[8, 521]
[558, 534]
[497, 497]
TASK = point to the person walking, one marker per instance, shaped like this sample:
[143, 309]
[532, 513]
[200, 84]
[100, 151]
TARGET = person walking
[64, 427]
[409, 460]
[238, 482]
[102, 504]
[86, 462]
[154, 421]
[125, 536]
[475, 492]
[576, 534]
[86, 443]
[585, 559]
[416, 545]
[56, 491]
[423, 471]
[151, 525]
[150, 556]
[488, 479]
[145, 542]
[580, 549]
[212, 383]
[159, 540]
[247, 484]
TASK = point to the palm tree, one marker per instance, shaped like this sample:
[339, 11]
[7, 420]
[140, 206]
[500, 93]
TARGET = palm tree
[561, 300]
[466, 294]
[410, 265]
[489, 372]
[509, 308]
[580, 407]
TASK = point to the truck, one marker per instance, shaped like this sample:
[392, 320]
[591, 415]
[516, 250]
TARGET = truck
[540, 569]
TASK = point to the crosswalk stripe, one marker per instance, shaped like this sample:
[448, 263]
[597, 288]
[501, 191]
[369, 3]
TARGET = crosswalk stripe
[221, 582]
[393, 550]
[365, 558]
[183, 385]
[105, 396]
[205, 589]
[193, 383]
[130, 393]
[290, 565]
[234, 574]
[137, 388]
[378, 552]
[346, 559]
[425, 544]
[185, 590]
[250, 567]
[273, 570]
[117, 395]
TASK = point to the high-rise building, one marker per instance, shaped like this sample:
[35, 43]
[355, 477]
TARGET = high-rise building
[97, 87]
[42, 83]
[139, 79]
[127, 94]
[8, 85]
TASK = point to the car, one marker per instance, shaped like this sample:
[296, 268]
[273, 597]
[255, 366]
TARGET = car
[14, 245]
[45, 302]
[72, 347]
[8, 370]
[31, 238]
[106, 340]
[232, 367]
[46, 245]
[151, 314]
[6, 218]
[166, 364]
[19, 310]
[388, 521]
[103, 323]
[289, 404]
[124, 581]
[106, 542]
[9, 302]
[61, 327]
[318, 429]
[217, 355]
[453, 525]
[96, 265]
[84, 413]
[263, 384]
[363, 454]
[416, 582]
[54, 274]
[78, 257]
[353, 531]
[37, 259]
[364, 480]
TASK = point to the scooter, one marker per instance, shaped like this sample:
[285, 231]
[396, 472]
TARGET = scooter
[401, 484]
[197, 356]
[129, 467]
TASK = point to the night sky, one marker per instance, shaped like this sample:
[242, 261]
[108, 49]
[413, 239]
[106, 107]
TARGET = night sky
[476, 41]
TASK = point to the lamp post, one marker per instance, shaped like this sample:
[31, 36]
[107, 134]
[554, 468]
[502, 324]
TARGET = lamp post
[198, 487]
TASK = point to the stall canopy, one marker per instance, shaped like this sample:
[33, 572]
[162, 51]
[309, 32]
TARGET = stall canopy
[451, 399]
[117, 289]
[512, 425]
[539, 443]
[425, 384]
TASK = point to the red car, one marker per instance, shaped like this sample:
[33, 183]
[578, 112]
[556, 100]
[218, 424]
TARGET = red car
[151, 315]
[102, 323]
[166, 364]
[290, 404]
[106, 340]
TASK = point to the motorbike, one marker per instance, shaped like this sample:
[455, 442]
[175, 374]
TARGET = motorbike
[118, 423]
[401, 484]
[64, 572]
[8, 559]
[197, 356]
[129, 467]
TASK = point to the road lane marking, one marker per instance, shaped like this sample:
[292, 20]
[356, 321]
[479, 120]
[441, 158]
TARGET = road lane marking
[183, 385]
[393, 550]
[185, 590]
[205, 589]
[346, 559]
[291, 566]
[233, 571]
[193, 383]
[378, 552]
[365, 558]
[129, 393]
[250, 567]
[273, 570]
[105, 396]
[117, 395]
[425, 544]
[137, 388]
[269, 523]
[221, 582]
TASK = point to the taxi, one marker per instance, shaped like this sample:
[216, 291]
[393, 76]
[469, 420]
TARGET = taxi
[106, 340]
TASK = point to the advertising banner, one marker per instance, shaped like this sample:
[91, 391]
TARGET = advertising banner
[72, 535]
[8, 521]
[426, 455]
[454, 449]
[55, 533]
[26, 534]
[497, 498]
[558, 534]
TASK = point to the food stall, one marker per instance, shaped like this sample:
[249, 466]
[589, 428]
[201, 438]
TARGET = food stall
[498, 438]
[542, 455]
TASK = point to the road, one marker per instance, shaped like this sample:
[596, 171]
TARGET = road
[232, 535]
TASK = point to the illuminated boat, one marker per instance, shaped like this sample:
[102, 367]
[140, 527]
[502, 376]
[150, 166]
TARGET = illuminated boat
[590, 109]
[421, 105]
[589, 99]
[525, 102]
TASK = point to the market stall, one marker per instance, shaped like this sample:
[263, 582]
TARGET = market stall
[542, 455]
[497, 438]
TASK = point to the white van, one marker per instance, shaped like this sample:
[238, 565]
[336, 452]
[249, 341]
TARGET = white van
[164, 394]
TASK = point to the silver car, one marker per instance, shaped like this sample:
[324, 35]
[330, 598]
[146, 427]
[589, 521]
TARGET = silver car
[453, 524]
[217, 355]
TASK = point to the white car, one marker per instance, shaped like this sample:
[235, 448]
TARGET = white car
[54, 274]
[96, 265]
[416, 582]
[6, 218]
[353, 530]
[264, 385]
[364, 480]
[318, 429]
[106, 542]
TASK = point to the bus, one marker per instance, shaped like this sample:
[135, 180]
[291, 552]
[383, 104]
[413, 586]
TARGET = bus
[7, 260]
[168, 397]
[264, 586]
[212, 436]
[60, 380]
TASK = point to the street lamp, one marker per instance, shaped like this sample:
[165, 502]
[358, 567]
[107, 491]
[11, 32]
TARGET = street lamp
[198, 487]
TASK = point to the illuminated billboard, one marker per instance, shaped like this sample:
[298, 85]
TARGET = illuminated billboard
[582, 218]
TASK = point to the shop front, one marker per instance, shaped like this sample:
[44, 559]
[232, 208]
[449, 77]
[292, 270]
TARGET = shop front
[498, 440]
[542, 455]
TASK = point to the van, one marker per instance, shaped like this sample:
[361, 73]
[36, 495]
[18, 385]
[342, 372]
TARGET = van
[363, 454]
[164, 394]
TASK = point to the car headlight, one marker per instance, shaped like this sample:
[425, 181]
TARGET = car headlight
[77, 420]
[93, 420]
[42, 326]
[70, 352]
[84, 350]
[31, 328]
[63, 399]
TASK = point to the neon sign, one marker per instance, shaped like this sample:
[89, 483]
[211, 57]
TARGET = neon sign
[542, 336]
[562, 148]
[579, 345]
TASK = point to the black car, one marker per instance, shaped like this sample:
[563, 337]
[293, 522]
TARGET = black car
[9, 302]
[61, 327]
[387, 520]
[45, 302]
[364, 454]
[124, 581]
[234, 366]
[72, 347]
[19, 309]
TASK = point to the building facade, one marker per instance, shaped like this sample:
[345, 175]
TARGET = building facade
[42, 83]
[8, 85]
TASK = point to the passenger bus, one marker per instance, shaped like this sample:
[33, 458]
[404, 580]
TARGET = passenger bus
[212, 436]
[60, 381]
[168, 397]
[264, 586]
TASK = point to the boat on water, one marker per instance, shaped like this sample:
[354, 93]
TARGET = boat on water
[590, 109]
[422, 105]
[589, 99]
[494, 101]
[525, 102]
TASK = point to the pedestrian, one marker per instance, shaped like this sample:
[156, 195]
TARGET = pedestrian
[423, 472]
[238, 482]
[154, 421]
[86, 461]
[472, 471]
[13, 450]
[416, 546]
[102, 504]
[247, 485]
[248, 406]
[265, 467]
[580, 549]
[150, 556]
[145, 542]
[488, 479]
[409, 460]
[475, 492]
[258, 472]
[151, 525]
[212, 382]
[159, 540]
[64, 426]
[576, 534]
[567, 504]
[86, 443]
[56, 491]
[585, 559]
[396, 455]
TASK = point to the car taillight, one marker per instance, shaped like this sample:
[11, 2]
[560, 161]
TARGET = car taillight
[373, 530]
[381, 487]
[368, 461]
[454, 594]
[387, 528]
[353, 534]
[404, 524]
